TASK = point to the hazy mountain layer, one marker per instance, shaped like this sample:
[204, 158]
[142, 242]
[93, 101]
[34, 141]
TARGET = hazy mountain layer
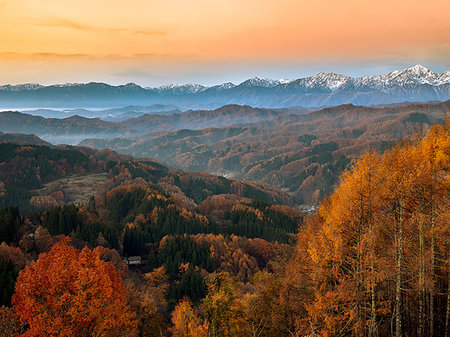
[303, 153]
[73, 129]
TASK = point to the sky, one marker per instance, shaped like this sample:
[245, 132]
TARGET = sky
[156, 42]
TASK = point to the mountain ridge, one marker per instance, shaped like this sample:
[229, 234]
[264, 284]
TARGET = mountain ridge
[414, 84]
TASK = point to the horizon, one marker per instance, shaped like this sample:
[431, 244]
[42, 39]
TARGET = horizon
[156, 43]
[212, 85]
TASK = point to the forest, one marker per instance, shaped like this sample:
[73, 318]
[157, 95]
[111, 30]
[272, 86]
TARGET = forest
[221, 257]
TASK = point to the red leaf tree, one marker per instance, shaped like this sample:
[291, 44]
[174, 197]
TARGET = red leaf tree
[72, 293]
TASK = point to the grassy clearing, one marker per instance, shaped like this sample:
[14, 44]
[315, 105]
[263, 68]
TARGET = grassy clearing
[76, 188]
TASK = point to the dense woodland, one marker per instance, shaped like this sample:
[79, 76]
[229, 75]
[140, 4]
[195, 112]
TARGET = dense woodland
[225, 258]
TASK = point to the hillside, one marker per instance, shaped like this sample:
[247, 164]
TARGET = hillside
[179, 245]
[22, 139]
[200, 119]
[304, 153]
[38, 177]
[68, 130]
[73, 129]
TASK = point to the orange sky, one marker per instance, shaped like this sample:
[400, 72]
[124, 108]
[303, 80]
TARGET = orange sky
[159, 41]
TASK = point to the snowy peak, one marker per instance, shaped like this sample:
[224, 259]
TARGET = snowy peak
[419, 69]
[331, 81]
[321, 83]
[19, 87]
[180, 89]
[259, 82]
[223, 86]
[417, 74]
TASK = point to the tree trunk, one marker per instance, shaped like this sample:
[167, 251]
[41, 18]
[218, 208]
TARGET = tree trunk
[432, 272]
[421, 270]
[373, 313]
[447, 312]
[398, 283]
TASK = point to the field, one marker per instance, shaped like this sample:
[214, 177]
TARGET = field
[76, 188]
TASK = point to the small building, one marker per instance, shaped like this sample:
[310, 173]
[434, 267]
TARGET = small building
[133, 261]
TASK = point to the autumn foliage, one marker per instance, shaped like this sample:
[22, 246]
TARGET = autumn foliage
[72, 293]
[377, 250]
[372, 261]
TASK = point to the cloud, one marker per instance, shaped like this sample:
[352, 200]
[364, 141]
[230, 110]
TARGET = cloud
[42, 55]
[56, 22]
[134, 57]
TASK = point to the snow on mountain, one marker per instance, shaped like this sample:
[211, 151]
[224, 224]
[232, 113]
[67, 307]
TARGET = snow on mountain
[414, 84]
[411, 76]
[444, 78]
[284, 81]
[222, 87]
[259, 82]
[180, 88]
[19, 87]
[326, 80]
[415, 75]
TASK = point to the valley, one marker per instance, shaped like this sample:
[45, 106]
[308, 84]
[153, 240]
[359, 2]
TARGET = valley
[303, 153]
[227, 220]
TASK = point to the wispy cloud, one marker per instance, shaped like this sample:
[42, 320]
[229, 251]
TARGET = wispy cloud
[42, 55]
[61, 23]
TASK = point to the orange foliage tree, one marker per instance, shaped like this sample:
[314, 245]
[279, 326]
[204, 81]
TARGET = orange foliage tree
[379, 243]
[185, 321]
[72, 293]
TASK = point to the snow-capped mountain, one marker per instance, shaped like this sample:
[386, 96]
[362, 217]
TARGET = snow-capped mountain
[259, 82]
[324, 81]
[19, 87]
[416, 75]
[222, 87]
[179, 89]
[415, 84]
[411, 76]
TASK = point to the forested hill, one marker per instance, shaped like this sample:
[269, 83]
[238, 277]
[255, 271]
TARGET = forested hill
[372, 261]
[33, 176]
[24, 168]
[182, 226]
[302, 153]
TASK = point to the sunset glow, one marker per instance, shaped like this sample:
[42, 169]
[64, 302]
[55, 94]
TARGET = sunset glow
[153, 42]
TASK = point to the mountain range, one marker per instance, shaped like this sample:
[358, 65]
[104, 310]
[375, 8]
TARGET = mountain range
[415, 84]
[303, 153]
[73, 129]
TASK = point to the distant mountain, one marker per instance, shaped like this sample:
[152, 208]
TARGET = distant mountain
[301, 153]
[179, 89]
[74, 129]
[200, 119]
[22, 139]
[69, 130]
[113, 114]
[415, 84]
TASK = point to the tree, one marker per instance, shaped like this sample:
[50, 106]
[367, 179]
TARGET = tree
[72, 293]
[148, 300]
[9, 323]
[378, 246]
[221, 307]
[185, 321]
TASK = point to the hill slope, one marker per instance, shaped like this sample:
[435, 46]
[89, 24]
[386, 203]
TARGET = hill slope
[303, 153]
